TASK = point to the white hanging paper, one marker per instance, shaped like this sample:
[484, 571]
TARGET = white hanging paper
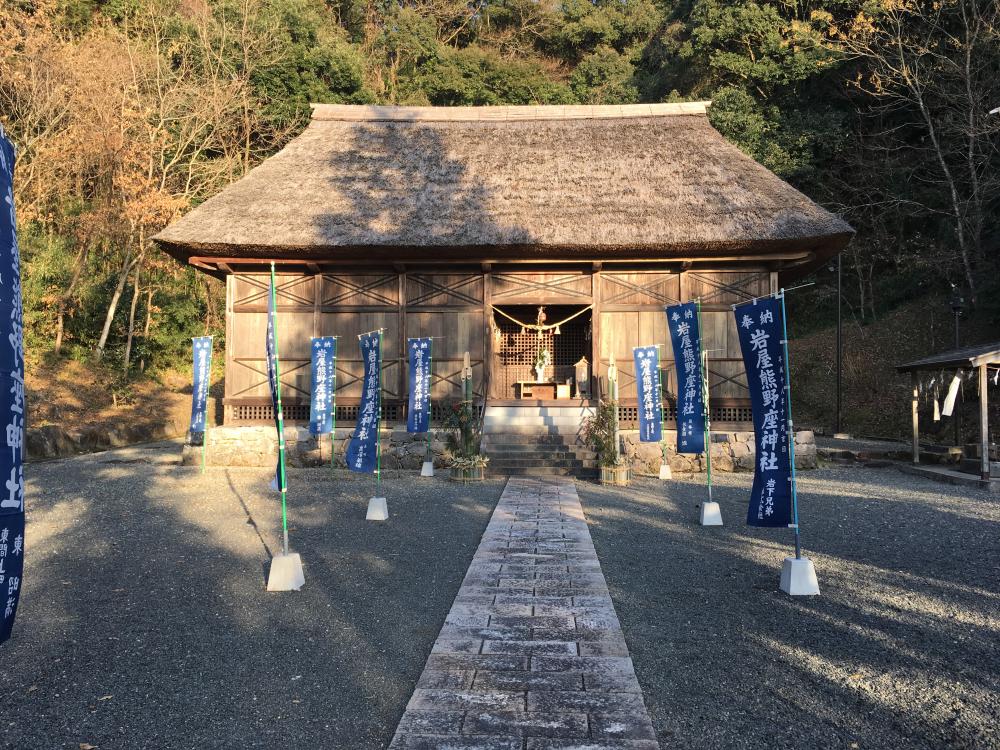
[949, 400]
[937, 410]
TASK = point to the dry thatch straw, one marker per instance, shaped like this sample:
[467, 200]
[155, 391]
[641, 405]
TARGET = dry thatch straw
[429, 183]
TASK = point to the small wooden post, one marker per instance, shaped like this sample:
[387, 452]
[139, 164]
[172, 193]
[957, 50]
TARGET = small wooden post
[916, 420]
[984, 427]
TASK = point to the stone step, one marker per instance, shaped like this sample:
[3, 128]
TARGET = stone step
[531, 438]
[506, 461]
[491, 421]
[528, 449]
[514, 458]
[542, 471]
[579, 412]
[533, 429]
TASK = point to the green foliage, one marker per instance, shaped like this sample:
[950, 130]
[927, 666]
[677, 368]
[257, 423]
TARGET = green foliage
[587, 25]
[599, 432]
[179, 306]
[474, 76]
[793, 143]
[605, 77]
[790, 84]
[464, 418]
[757, 45]
[46, 268]
[312, 62]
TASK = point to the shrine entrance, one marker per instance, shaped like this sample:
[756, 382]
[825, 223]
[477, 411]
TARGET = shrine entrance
[516, 347]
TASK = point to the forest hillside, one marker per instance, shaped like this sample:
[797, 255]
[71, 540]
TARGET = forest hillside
[127, 113]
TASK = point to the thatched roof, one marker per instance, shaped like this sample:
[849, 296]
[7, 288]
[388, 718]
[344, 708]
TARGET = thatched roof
[432, 183]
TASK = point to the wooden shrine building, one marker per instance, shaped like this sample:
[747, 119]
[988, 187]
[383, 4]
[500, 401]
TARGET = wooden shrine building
[459, 223]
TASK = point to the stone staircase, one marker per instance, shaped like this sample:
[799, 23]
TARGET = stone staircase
[537, 441]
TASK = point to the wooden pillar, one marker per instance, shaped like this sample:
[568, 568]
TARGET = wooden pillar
[404, 353]
[595, 333]
[317, 286]
[916, 420]
[230, 378]
[984, 426]
[489, 387]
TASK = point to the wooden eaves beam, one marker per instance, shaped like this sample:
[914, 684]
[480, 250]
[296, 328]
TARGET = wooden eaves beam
[210, 263]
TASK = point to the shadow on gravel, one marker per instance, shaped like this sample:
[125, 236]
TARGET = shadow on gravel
[145, 624]
[898, 651]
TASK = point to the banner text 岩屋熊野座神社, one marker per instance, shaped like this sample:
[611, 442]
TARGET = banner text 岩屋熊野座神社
[362, 451]
[324, 381]
[685, 337]
[418, 417]
[646, 360]
[761, 330]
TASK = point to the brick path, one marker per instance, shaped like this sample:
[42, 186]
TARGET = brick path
[531, 656]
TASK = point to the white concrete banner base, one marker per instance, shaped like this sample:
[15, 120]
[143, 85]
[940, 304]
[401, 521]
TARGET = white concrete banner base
[711, 515]
[798, 577]
[427, 470]
[665, 472]
[286, 573]
[377, 510]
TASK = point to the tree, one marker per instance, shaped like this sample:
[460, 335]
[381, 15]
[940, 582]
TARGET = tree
[931, 75]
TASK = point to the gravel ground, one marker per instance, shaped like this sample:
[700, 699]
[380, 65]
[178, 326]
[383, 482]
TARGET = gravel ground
[144, 621]
[899, 651]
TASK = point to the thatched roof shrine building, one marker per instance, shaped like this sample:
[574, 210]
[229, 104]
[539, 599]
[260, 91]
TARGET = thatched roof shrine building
[429, 221]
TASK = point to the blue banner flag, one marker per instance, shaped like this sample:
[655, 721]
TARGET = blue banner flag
[362, 451]
[761, 329]
[647, 381]
[685, 336]
[324, 385]
[12, 397]
[418, 415]
[271, 345]
[202, 355]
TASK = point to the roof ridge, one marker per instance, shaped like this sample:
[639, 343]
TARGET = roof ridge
[505, 113]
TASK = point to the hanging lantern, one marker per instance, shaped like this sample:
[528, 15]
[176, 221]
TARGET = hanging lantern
[558, 331]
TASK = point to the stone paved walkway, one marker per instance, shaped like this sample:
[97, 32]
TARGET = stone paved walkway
[531, 656]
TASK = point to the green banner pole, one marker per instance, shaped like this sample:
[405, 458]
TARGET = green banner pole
[333, 432]
[703, 356]
[378, 423]
[790, 429]
[282, 480]
[663, 407]
[430, 412]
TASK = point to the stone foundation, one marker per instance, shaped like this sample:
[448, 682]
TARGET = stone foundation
[56, 441]
[257, 445]
[53, 441]
[731, 452]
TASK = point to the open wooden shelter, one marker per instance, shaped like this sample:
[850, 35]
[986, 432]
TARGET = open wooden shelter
[976, 359]
[459, 223]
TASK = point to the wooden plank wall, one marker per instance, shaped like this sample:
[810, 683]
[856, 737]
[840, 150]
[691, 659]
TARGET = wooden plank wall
[631, 314]
[447, 307]
[455, 307]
